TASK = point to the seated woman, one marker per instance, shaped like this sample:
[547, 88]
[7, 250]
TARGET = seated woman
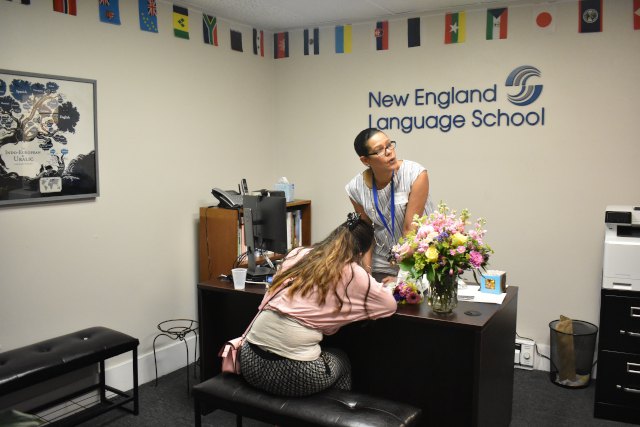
[317, 291]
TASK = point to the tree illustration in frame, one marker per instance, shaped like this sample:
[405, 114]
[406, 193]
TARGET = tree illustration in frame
[48, 143]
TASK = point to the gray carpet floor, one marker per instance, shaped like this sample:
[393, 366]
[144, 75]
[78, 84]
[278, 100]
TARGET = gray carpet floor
[537, 402]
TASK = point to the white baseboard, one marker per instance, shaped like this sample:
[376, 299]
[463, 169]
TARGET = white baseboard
[170, 358]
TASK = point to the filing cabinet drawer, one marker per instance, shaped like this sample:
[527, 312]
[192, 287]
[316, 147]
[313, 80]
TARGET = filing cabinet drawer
[618, 378]
[620, 322]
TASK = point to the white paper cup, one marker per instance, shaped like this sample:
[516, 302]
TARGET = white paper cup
[239, 277]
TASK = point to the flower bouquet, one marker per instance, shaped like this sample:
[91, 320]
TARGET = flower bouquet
[441, 248]
[407, 293]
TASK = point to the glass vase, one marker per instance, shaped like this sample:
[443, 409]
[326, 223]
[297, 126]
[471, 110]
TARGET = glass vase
[443, 294]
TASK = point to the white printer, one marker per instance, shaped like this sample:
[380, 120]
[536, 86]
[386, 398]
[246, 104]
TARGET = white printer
[621, 267]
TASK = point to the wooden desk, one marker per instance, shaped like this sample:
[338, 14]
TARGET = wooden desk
[458, 369]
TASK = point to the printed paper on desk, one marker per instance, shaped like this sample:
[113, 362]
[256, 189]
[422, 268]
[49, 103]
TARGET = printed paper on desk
[472, 293]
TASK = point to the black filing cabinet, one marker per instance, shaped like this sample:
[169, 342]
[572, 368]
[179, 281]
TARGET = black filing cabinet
[618, 382]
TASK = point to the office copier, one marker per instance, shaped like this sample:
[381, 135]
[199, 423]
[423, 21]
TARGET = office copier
[621, 265]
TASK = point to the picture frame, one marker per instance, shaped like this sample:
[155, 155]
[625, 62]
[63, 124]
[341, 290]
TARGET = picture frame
[48, 138]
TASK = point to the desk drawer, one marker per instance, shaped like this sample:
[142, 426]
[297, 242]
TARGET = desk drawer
[620, 323]
[618, 378]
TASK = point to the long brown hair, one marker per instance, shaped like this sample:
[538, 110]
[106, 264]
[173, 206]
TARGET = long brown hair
[322, 268]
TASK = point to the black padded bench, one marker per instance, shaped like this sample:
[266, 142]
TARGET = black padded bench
[30, 365]
[329, 408]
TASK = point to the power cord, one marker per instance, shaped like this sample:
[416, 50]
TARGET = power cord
[542, 355]
[239, 259]
[535, 346]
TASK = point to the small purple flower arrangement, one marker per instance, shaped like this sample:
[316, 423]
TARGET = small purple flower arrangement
[407, 293]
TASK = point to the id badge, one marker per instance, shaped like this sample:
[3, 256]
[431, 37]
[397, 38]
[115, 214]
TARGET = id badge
[401, 198]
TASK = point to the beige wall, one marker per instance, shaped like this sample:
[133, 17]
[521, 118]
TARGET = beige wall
[176, 117]
[543, 189]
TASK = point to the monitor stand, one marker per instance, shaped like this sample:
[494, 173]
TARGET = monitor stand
[255, 272]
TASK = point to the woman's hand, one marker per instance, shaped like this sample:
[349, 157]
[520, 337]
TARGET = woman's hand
[417, 200]
[388, 279]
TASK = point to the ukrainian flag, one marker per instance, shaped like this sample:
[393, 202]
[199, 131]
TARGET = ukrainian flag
[343, 39]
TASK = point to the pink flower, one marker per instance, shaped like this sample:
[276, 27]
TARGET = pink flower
[422, 246]
[424, 231]
[461, 249]
[476, 259]
[413, 298]
[452, 252]
[403, 251]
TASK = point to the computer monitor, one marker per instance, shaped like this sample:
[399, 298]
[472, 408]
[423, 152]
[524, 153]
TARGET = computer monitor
[265, 229]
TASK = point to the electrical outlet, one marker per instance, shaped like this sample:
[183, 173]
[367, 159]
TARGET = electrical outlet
[524, 356]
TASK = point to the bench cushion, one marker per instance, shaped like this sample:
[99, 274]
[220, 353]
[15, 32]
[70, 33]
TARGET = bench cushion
[41, 361]
[329, 408]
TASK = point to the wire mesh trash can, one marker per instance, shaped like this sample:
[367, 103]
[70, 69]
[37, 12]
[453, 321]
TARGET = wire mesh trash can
[573, 344]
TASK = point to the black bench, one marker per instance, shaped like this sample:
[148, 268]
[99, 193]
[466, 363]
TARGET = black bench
[329, 408]
[30, 365]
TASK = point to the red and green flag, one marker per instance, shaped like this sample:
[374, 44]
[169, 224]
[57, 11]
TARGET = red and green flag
[497, 20]
[455, 27]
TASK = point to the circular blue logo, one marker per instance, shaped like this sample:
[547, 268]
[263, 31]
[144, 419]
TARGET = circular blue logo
[528, 93]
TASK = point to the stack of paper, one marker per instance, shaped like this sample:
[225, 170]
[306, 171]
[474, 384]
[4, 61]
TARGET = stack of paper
[472, 293]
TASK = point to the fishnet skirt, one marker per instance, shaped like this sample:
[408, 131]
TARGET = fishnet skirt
[287, 377]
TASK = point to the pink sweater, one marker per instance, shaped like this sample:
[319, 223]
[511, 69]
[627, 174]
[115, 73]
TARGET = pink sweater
[380, 302]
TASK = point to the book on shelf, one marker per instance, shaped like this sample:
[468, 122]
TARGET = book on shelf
[289, 230]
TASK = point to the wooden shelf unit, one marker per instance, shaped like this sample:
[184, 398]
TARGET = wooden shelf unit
[218, 237]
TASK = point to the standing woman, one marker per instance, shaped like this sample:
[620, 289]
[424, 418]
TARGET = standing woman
[388, 194]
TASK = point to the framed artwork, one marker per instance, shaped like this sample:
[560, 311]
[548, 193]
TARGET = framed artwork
[48, 138]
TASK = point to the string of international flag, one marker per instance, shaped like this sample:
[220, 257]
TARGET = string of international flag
[590, 20]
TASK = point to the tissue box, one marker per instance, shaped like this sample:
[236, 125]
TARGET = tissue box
[287, 187]
[493, 282]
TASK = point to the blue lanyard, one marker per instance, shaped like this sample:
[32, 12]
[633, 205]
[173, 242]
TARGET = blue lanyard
[393, 208]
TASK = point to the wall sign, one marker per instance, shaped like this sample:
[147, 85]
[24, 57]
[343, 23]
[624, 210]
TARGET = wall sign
[519, 89]
[48, 138]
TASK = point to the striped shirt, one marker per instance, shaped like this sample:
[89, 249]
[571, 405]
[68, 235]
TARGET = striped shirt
[359, 192]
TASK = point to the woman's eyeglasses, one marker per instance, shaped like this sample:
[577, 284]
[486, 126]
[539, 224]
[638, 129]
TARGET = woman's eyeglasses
[391, 146]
